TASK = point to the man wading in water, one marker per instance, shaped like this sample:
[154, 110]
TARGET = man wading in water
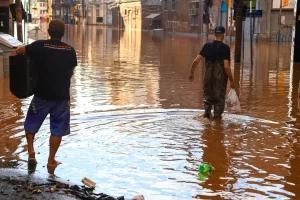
[55, 62]
[217, 72]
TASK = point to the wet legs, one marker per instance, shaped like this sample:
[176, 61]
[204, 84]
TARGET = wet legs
[208, 103]
[31, 152]
[219, 108]
[54, 145]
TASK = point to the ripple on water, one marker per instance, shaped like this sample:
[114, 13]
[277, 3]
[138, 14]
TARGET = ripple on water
[126, 138]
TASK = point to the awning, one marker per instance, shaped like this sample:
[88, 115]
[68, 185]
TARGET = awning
[153, 16]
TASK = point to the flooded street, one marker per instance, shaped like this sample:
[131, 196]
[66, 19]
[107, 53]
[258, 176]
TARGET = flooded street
[133, 125]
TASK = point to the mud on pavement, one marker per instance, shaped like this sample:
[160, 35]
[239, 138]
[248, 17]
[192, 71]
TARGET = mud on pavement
[19, 185]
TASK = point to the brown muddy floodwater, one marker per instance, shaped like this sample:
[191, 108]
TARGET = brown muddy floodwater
[134, 129]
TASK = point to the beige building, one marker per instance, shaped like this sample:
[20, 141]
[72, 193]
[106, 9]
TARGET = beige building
[135, 14]
[96, 12]
[40, 8]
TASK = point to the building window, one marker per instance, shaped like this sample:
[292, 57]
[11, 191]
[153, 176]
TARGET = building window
[194, 20]
[97, 13]
[165, 4]
[99, 19]
[125, 12]
[173, 4]
[137, 12]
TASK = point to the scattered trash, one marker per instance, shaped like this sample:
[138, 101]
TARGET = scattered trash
[87, 193]
[52, 190]
[38, 191]
[61, 185]
[273, 178]
[139, 197]
[88, 183]
[205, 170]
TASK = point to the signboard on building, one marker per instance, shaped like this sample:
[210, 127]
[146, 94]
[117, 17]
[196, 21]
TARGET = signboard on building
[255, 13]
[285, 4]
[247, 3]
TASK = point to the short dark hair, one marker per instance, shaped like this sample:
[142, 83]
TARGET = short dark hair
[56, 29]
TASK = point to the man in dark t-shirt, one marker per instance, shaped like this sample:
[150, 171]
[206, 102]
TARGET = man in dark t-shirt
[217, 72]
[55, 62]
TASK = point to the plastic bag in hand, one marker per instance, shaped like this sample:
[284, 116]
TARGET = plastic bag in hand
[232, 102]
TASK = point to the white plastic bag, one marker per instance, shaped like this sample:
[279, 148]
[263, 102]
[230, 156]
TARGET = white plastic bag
[232, 102]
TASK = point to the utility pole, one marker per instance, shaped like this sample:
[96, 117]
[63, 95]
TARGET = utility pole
[279, 21]
[19, 20]
[251, 36]
[207, 4]
[231, 18]
[119, 17]
[238, 32]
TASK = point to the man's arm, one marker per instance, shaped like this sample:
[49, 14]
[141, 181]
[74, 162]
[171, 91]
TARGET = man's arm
[21, 50]
[228, 72]
[194, 65]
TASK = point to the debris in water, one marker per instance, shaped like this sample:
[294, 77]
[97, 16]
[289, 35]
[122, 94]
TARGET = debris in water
[38, 191]
[88, 183]
[273, 178]
[139, 197]
[205, 170]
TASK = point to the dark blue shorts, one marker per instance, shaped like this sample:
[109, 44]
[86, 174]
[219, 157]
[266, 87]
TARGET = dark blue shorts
[59, 116]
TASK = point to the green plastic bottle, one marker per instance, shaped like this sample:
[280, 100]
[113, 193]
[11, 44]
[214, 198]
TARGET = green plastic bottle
[201, 177]
[205, 168]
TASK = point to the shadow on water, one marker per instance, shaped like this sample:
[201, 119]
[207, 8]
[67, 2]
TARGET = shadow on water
[133, 127]
[215, 153]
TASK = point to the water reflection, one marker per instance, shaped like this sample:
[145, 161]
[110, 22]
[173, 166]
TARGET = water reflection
[133, 125]
[215, 153]
[294, 157]
[11, 112]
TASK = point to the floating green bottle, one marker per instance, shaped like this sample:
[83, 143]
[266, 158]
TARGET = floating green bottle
[205, 170]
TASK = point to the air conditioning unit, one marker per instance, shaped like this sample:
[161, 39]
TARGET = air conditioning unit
[194, 11]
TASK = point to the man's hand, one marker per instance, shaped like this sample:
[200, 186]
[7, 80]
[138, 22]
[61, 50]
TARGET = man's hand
[191, 77]
[194, 65]
[21, 50]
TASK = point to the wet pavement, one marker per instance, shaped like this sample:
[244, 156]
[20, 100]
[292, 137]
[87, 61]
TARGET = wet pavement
[135, 130]
[18, 184]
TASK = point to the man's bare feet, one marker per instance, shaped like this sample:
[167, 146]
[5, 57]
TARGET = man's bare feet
[51, 170]
[53, 163]
[31, 159]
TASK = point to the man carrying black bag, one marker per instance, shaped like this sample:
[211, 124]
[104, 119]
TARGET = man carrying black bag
[54, 62]
[217, 72]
